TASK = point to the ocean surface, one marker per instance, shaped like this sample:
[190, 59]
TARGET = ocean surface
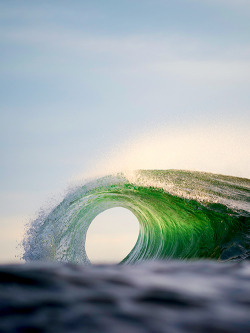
[152, 297]
[189, 270]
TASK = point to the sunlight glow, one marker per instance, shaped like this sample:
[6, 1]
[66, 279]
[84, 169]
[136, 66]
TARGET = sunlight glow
[111, 236]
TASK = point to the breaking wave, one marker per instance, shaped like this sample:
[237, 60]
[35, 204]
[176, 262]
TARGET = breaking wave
[182, 215]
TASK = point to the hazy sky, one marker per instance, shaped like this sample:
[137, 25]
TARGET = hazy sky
[80, 78]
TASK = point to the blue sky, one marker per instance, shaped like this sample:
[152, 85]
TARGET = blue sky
[80, 77]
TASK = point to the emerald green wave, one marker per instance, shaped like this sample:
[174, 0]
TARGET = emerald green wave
[182, 215]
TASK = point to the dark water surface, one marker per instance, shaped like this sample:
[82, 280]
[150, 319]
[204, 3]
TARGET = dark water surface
[157, 297]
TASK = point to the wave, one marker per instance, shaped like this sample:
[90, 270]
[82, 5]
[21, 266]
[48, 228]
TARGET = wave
[182, 215]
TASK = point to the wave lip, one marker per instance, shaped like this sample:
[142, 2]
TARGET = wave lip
[182, 215]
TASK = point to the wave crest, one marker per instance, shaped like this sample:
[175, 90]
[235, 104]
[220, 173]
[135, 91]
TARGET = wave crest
[184, 215]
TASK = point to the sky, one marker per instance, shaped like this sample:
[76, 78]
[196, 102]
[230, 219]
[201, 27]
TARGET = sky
[89, 85]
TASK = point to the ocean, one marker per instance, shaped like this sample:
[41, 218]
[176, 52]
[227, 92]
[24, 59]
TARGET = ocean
[189, 270]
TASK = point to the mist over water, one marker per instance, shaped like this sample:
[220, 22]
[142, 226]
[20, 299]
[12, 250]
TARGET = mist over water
[221, 148]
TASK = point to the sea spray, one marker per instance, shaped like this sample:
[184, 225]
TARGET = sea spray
[182, 215]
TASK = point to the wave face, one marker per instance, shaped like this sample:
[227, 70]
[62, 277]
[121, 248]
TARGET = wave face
[182, 215]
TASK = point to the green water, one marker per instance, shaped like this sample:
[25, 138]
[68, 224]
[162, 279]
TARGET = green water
[182, 215]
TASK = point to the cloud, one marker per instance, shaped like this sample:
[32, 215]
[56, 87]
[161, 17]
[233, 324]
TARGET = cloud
[230, 2]
[70, 55]
[170, 44]
[205, 70]
[241, 4]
